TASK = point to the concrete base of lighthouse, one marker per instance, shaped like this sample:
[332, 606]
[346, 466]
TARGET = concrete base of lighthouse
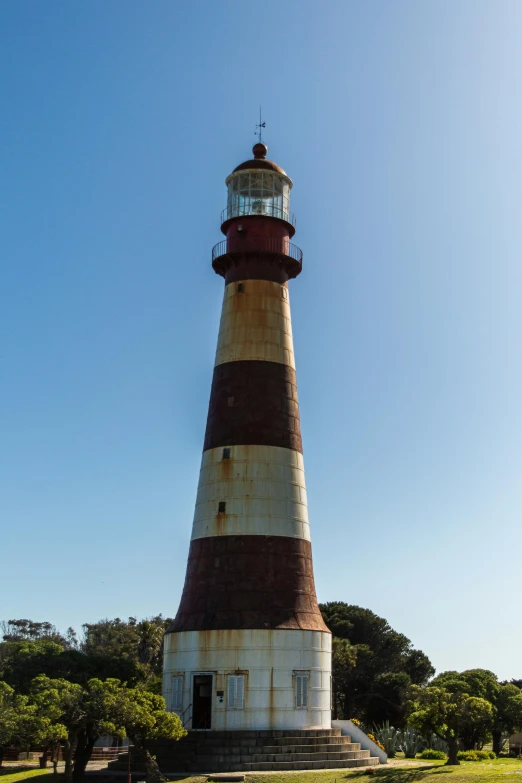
[269, 660]
[253, 751]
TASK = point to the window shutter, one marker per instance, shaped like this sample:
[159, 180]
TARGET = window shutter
[236, 691]
[304, 687]
[298, 690]
[231, 700]
[301, 690]
[240, 692]
[177, 693]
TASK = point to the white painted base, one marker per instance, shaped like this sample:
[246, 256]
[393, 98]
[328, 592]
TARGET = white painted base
[269, 660]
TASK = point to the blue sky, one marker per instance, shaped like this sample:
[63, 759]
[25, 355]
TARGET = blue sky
[401, 125]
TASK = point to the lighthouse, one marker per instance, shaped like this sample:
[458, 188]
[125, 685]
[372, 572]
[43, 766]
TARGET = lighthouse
[248, 649]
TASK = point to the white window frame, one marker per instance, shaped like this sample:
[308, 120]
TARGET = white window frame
[236, 684]
[301, 686]
[177, 692]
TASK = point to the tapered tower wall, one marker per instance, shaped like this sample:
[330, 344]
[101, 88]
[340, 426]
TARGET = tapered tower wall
[249, 608]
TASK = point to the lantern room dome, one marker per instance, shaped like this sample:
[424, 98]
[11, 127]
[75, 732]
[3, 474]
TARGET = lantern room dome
[259, 161]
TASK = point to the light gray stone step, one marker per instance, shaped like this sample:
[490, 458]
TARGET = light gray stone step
[352, 754]
[286, 752]
[235, 741]
[283, 750]
[253, 733]
[322, 764]
[323, 748]
[209, 761]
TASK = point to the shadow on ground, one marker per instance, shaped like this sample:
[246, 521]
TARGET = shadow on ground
[403, 774]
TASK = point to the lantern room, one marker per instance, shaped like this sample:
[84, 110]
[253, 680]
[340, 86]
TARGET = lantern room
[259, 187]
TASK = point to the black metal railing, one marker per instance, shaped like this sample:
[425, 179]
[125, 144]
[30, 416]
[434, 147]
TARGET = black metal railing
[258, 207]
[184, 722]
[258, 245]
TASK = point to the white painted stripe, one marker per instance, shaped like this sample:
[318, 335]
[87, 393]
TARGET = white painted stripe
[264, 490]
[256, 324]
[269, 659]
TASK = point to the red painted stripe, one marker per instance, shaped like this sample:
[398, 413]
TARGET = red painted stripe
[253, 266]
[239, 582]
[253, 403]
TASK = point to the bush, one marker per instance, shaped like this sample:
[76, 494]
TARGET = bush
[374, 739]
[475, 755]
[468, 755]
[433, 755]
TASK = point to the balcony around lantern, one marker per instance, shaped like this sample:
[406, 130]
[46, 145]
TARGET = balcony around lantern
[232, 248]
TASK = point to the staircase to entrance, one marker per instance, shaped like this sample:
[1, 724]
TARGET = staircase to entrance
[249, 751]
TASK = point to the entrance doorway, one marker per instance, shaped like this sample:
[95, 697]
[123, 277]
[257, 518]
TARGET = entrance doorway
[202, 701]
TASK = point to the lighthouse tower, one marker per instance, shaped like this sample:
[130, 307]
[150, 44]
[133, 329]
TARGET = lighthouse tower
[248, 648]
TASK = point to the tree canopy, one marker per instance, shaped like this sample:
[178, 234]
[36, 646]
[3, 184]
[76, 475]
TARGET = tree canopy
[372, 677]
[448, 714]
[505, 699]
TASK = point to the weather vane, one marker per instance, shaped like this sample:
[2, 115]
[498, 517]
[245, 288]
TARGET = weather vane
[259, 125]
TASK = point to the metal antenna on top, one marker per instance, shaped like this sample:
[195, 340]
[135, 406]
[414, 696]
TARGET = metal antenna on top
[259, 125]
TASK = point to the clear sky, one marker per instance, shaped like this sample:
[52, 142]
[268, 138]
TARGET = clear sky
[401, 125]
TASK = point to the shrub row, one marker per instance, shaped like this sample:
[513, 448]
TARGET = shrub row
[475, 755]
[431, 754]
[462, 755]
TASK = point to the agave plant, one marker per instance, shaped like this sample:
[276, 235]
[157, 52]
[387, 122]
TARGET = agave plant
[436, 743]
[389, 737]
[411, 743]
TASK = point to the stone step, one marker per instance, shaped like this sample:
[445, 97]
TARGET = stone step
[121, 766]
[244, 751]
[323, 748]
[267, 733]
[209, 761]
[232, 740]
[336, 739]
[280, 750]
[282, 765]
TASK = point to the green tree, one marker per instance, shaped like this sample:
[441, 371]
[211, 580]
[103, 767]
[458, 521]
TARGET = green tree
[344, 658]
[50, 735]
[21, 662]
[435, 710]
[374, 687]
[508, 714]
[30, 631]
[136, 640]
[506, 700]
[85, 712]
[144, 716]
[18, 720]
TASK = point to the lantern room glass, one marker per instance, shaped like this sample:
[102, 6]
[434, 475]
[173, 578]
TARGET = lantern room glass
[258, 193]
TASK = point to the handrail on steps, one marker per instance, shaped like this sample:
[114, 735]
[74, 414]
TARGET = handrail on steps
[182, 714]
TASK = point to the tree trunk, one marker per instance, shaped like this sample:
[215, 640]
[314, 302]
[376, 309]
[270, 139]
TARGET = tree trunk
[153, 771]
[153, 774]
[453, 749]
[1, 755]
[83, 754]
[497, 741]
[348, 710]
[69, 751]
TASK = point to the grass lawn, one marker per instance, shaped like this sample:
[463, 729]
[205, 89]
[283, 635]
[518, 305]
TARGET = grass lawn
[8, 776]
[499, 771]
